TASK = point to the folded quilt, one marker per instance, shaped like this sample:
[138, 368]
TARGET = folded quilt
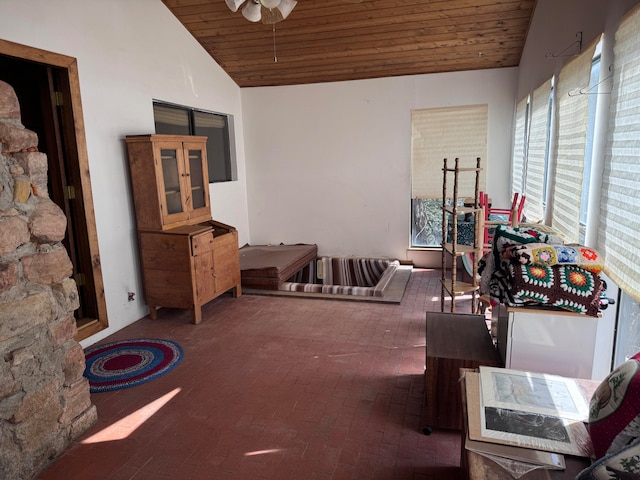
[564, 286]
[506, 236]
[543, 254]
[527, 266]
[494, 266]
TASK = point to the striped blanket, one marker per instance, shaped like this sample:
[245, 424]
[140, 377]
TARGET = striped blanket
[344, 276]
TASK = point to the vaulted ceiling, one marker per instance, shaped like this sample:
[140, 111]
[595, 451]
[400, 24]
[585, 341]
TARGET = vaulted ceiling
[336, 40]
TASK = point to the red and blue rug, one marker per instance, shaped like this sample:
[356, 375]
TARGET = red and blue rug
[127, 363]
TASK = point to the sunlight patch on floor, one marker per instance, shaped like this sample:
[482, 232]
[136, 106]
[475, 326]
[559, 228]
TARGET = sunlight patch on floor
[129, 424]
[262, 452]
[448, 299]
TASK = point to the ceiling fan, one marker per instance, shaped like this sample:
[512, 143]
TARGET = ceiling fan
[267, 11]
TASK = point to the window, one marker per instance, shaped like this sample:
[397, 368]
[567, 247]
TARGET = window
[600, 185]
[545, 182]
[619, 219]
[532, 135]
[436, 134]
[592, 93]
[518, 163]
[530, 161]
[571, 113]
[180, 120]
[537, 153]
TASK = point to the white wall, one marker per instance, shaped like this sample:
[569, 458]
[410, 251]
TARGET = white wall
[330, 163]
[129, 53]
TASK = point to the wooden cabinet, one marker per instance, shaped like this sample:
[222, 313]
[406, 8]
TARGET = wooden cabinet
[170, 180]
[187, 258]
[187, 266]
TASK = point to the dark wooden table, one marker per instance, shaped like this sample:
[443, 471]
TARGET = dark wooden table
[453, 341]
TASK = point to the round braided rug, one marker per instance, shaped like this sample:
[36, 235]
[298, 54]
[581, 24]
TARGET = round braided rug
[127, 363]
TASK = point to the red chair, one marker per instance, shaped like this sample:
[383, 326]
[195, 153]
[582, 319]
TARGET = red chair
[499, 216]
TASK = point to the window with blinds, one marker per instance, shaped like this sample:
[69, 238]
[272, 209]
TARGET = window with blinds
[436, 134]
[519, 147]
[571, 120]
[619, 225]
[181, 120]
[537, 153]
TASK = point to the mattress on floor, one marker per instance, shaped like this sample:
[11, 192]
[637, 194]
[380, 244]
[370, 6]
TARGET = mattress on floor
[347, 276]
[268, 266]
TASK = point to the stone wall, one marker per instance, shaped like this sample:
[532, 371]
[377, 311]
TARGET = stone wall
[44, 399]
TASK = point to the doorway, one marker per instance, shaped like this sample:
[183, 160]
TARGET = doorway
[47, 88]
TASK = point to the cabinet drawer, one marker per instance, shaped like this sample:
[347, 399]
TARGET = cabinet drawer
[202, 243]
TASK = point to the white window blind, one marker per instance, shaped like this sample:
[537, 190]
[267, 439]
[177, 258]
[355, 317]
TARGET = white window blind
[571, 121]
[619, 226]
[171, 116]
[517, 162]
[449, 132]
[209, 120]
[536, 153]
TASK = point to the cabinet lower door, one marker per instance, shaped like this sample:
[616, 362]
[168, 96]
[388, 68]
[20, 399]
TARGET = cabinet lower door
[204, 277]
[166, 269]
[227, 262]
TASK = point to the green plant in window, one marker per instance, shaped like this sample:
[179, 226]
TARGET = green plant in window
[427, 222]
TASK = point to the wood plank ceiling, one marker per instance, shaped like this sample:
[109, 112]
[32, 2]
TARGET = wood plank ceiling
[336, 40]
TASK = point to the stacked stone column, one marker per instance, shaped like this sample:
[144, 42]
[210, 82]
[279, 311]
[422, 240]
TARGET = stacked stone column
[44, 399]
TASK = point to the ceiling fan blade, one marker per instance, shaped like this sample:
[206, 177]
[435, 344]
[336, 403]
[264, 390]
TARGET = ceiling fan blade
[251, 12]
[234, 4]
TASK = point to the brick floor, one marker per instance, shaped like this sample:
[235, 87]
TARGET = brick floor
[276, 388]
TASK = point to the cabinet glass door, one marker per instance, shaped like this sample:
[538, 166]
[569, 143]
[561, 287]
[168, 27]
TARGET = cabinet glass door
[171, 177]
[198, 190]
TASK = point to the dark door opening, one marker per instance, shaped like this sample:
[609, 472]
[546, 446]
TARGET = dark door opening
[45, 97]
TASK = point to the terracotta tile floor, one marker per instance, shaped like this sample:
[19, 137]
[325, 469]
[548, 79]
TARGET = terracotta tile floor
[276, 388]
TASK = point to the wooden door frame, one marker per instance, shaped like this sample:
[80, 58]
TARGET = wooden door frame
[70, 64]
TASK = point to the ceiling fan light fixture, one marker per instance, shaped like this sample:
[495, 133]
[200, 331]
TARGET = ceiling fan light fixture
[234, 4]
[252, 11]
[270, 3]
[267, 11]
